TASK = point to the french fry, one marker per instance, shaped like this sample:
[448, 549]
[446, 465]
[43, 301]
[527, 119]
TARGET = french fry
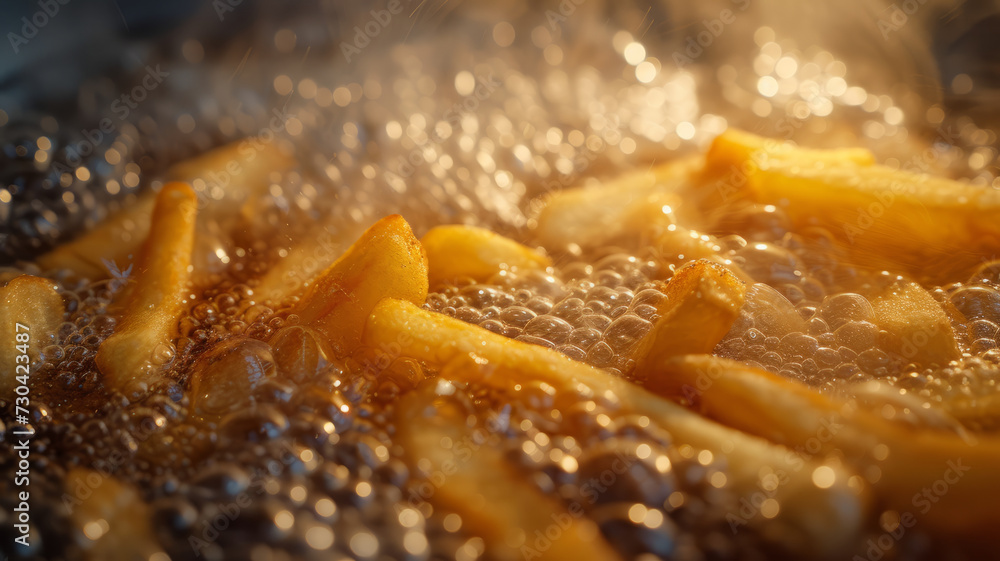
[386, 262]
[31, 311]
[905, 463]
[645, 208]
[455, 252]
[153, 305]
[935, 229]
[918, 328]
[224, 179]
[473, 478]
[305, 260]
[589, 216]
[735, 156]
[810, 518]
[113, 241]
[110, 519]
[232, 175]
[703, 300]
[739, 150]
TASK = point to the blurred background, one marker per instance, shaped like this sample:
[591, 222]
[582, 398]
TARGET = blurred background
[97, 98]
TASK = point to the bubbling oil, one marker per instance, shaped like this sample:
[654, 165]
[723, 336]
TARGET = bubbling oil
[311, 444]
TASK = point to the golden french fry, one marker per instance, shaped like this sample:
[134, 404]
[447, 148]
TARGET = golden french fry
[473, 478]
[456, 252]
[231, 175]
[110, 519]
[918, 328]
[306, 259]
[115, 240]
[945, 480]
[227, 181]
[223, 178]
[811, 517]
[736, 155]
[645, 207]
[590, 216]
[935, 229]
[31, 311]
[153, 305]
[744, 151]
[386, 262]
[703, 300]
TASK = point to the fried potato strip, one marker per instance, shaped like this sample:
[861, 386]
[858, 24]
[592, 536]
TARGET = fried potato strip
[810, 518]
[589, 216]
[386, 262]
[473, 478]
[736, 149]
[703, 300]
[904, 464]
[935, 229]
[917, 328]
[458, 252]
[307, 258]
[32, 308]
[224, 179]
[735, 156]
[154, 303]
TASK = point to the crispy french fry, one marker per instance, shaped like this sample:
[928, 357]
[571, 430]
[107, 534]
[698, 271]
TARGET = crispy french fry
[386, 262]
[589, 216]
[114, 240]
[736, 149]
[232, 174]
[224, 179]
[641, 207]
[736, 155]
[455, 252]
[919, 329]
[907, 464]
[154, 304]
[493, 499]
[110, 519]
[810, 518]
[31, 311]
[306, 259]
[935, 229]
[703, 300]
